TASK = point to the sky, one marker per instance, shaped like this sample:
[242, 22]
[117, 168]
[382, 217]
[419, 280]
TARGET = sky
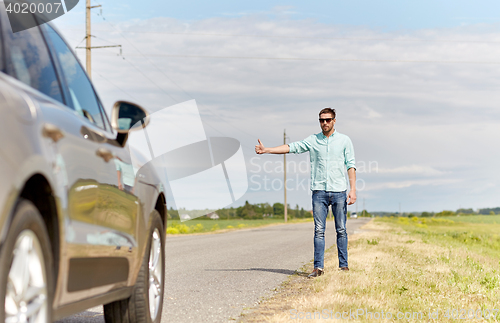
[414, 83]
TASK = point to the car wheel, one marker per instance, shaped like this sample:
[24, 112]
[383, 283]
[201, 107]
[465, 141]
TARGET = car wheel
[25, 266]
[146, 302]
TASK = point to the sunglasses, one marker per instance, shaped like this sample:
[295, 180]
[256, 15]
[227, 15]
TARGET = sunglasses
[327, 120]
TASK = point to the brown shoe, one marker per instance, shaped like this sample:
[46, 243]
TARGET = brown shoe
[315, 273]
[344, 268]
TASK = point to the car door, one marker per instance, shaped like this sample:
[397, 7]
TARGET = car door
[101, 244]
[70, 140]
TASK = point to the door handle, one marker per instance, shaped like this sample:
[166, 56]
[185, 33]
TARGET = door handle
[105, 154]
[52, 132]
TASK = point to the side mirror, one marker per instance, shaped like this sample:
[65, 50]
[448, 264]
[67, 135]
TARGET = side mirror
[127, 116]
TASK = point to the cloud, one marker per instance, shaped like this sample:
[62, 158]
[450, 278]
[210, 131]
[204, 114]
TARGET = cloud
[411, 170]
[287, 10]
[367, 111]
[405, 184]
[421, 103]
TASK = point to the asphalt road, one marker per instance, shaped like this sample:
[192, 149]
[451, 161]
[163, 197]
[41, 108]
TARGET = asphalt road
[214, 277]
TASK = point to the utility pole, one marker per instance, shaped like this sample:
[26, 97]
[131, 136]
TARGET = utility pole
[284, 171]
[364, 207]
[357, 208]
[88, 46]
[87, 36]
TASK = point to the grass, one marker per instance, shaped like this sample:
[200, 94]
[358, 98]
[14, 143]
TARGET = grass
[175, 227]
[465, 231]
[103, 205]
[406, 267]
[493, 219]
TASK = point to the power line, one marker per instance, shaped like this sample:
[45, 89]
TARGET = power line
[107, 80]
[137, 69]
[161, 71]
[319, 38]
[320, 59]
[154, 83]
[284, 176]
[84, 38]
[88, 37]
[307, 37]
[110, 42]
[214, 128]
[147, 77]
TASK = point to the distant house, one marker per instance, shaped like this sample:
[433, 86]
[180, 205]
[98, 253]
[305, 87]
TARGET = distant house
[214, 216]
[185, 217]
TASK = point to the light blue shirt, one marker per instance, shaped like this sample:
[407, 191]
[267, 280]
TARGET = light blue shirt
[127, 172]
[330, 157]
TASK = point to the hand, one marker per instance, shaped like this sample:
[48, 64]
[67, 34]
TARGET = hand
[351, 198]
[120, 186]
[260, 149]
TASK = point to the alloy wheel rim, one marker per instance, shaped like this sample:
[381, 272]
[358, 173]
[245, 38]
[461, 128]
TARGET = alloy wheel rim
[26, 293]
[155, 274]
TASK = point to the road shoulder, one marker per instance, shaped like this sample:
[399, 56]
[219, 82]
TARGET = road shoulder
[298, 286]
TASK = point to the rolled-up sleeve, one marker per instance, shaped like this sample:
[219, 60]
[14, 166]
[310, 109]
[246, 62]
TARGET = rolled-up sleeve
[299, 147]
[118, 166]
[350, 160]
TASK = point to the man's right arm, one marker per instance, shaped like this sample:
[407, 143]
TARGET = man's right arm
[260, 149]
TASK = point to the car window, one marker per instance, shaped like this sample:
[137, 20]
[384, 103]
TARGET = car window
[106, 120]
[29, 62]
[82, 97]
[2, 49]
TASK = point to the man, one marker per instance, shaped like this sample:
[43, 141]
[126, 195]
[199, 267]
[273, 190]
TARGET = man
[330, 154]
[126, 176]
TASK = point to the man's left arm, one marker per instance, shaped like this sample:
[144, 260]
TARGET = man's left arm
[351, 171]
[351, 197]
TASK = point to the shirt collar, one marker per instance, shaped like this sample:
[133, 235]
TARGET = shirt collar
[323, 135]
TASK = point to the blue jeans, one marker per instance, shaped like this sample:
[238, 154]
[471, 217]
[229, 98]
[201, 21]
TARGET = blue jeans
[321, 200]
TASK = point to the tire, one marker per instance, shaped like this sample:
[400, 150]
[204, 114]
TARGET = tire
[146, 302]
[26, 285]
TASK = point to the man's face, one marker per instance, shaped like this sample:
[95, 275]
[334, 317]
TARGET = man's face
[326, 122]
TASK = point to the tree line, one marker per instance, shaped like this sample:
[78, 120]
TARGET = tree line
[277, 211]
[254, 211]
[485, 211]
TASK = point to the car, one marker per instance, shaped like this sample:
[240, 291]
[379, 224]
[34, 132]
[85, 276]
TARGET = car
[354, 215]
[80, 224]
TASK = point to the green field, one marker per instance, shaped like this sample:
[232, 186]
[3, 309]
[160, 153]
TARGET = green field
[494, 219]
[409, 267]
[479, 234]
[206, 225]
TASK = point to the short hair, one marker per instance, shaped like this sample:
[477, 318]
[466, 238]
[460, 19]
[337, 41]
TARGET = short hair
[328, 110]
